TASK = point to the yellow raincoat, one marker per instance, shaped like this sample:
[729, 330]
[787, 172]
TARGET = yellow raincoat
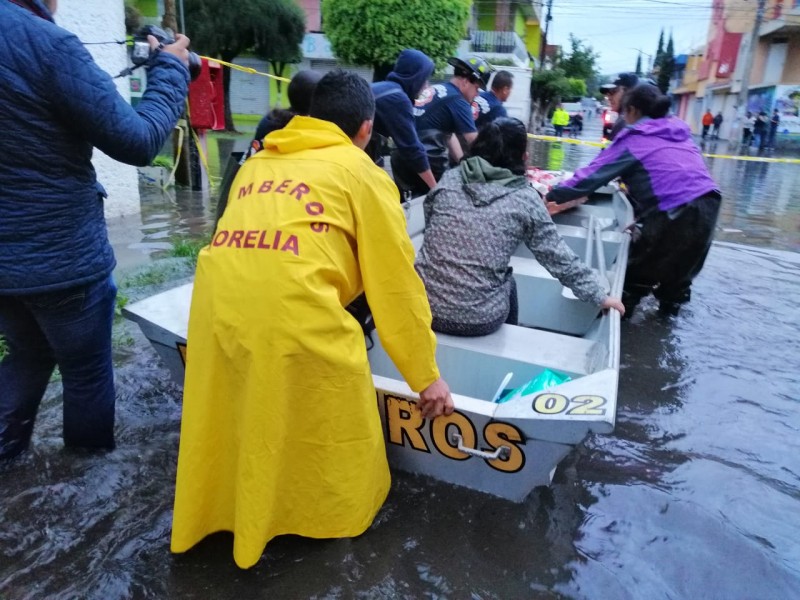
[281, 432]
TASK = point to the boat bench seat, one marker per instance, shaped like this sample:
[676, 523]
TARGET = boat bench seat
[475, 366]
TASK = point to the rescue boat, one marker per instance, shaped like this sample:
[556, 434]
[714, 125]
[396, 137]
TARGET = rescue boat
[501, 448]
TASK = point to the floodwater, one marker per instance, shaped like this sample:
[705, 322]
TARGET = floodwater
[696, 494]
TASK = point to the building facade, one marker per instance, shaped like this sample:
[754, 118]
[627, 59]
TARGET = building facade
[104, 21]
[713, 77]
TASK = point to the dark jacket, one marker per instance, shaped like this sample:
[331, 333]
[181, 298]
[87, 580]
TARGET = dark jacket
[394, 116]
[658, 161]
[56, 104]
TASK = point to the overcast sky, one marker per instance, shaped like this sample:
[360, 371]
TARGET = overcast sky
[617, 28]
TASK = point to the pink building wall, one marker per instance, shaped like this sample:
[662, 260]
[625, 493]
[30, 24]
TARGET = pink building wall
[313, 11]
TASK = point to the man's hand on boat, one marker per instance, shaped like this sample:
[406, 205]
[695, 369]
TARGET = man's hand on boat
[435, 400]
[614, 303]
[554, 208]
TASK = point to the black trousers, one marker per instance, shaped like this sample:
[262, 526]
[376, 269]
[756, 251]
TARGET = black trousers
[669, 251]
[478, 329]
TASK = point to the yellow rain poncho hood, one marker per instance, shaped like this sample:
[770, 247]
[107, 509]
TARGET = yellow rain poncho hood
[280, 430]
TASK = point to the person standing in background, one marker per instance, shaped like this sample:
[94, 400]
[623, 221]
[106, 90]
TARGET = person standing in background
[774, 122]
[717, 125]
[707, 122]
[57, 295]
[747, 129]
[560, 120]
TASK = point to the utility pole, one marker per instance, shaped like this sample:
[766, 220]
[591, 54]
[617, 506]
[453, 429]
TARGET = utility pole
[547, 20]
[741, 104]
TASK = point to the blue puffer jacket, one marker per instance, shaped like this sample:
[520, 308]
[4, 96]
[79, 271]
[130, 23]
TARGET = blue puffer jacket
[55, 105]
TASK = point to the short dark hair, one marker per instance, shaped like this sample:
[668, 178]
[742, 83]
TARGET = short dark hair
[300, 90]
[344, 99]
[502, 143]
[648, 100]
[502, 79]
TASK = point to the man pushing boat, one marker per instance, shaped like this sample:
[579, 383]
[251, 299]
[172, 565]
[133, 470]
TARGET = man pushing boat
[280, 431]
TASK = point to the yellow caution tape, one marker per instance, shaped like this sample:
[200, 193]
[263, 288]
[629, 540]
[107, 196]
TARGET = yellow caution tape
[791, 161]
[246, 69]
[765, 159]
[552, 138]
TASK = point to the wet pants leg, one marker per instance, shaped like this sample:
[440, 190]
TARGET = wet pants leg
[407, 180]
[71, 328]
[513, 304]
[670, 253]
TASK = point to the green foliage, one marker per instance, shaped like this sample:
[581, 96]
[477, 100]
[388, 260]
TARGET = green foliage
[577, 87]
[373, 32]
[502, 62]
[226, 29]
[667, 67]
[548, 88]
[163, 161]
[189, 248]
[279, 43]
[659, 59]
[122, 302]
[133, 18]
[280, 38]
[580, 62]
[3, 348]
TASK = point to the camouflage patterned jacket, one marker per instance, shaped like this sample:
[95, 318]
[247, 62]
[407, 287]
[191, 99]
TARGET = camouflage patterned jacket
[476, 217]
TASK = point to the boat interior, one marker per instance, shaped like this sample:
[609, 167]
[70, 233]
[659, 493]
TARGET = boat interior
[557, 331]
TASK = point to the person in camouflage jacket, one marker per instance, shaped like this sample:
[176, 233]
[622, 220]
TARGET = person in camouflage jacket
[475, 218]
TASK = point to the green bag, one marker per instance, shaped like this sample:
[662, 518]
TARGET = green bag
[544, 381]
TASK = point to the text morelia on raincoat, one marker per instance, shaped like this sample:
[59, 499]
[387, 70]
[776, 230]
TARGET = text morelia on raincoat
[257, 238]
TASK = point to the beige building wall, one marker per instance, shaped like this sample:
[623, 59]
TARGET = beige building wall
[103, 21]
[791, 70]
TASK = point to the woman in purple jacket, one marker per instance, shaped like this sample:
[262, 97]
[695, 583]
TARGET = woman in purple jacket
[675, 200]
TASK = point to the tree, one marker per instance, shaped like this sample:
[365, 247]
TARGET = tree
[659, 53]
[580, 62]
[639, 65]
[667, 67]
[133, 19]
[548, 88]
[373, 32]
[279, 44]
[225, 29]
[169, 21]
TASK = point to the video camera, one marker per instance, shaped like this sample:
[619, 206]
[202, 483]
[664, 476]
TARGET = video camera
[142, 53]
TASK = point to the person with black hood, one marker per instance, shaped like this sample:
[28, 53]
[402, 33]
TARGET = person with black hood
[443, 112]
[394, 114]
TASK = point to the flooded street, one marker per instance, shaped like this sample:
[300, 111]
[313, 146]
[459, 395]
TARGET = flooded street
[696, 494]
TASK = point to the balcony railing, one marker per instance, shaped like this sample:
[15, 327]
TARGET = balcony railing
[499, 42]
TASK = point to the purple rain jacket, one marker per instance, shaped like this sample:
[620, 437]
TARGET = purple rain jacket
[657, 160]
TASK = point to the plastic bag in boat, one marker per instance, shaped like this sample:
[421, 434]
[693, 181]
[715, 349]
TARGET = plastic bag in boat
[544, 381]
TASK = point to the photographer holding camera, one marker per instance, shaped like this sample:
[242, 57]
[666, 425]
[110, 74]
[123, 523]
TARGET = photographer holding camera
[57, 295]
